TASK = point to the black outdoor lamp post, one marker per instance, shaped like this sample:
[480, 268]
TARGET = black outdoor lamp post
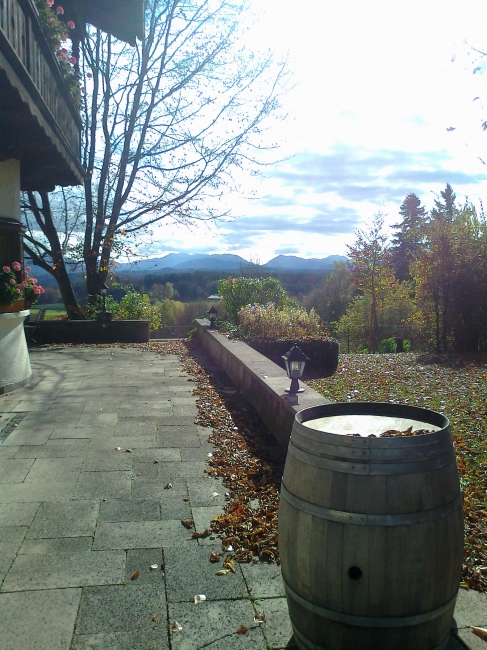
[295, 361]
[212, 314]
[104, 317]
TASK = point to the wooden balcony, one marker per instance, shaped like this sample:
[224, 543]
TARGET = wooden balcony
[39, 123]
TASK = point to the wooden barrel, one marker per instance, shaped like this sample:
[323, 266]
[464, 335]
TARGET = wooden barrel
[370, 529]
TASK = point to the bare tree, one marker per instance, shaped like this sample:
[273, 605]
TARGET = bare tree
[167, 125]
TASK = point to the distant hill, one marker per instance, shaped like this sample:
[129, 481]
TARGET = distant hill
[187, 262]
[292, 263]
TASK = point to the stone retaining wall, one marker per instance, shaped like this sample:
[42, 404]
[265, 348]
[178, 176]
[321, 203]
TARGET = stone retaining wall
[261, 381]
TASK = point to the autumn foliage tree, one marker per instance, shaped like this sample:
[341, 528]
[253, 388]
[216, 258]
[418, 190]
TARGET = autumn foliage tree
[371, 271]
[168, 125]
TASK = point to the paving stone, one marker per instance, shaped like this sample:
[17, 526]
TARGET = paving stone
[30, 436]
[201, 491]
[141, 560]
[60, 570]
[470, 609]
[106, 459]
[116, 510]
[468, 639]
[175, 438]
[177, 421]
[14, 470]
[45, 491]
[10, 541]
[9, 452]
[72, 432]
[123, 608]
[53, 449]
[17, 514]
[169, 471]
[51, 617]
[197, 454]
[189, 572]
[101, 420]
[52, 545]
[126, 442]
[139, 534]
[65, 519]
[277, 628]
[60, 469]
[155, 490]
[130, 426]
[185, 411]
[214, 625]
[104, 485]
[202, 520]
[264, 580]
[161, 454]
[31, 405]
[155, 639]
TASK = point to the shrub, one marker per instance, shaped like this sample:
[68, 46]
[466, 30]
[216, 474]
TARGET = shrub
[239, 292]
[135, 305]
[268, 322]
[322, 352]
[390, 345]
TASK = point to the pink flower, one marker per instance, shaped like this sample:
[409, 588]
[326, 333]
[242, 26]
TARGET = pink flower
[41, 290]
[82, 89]
[72, 59]
[59, 11]
[37, 290]
[16, 266]
[6, 269]
[12, 281]
[33, 280]
[89, 75]
[70, 24]
[49, 3]
[27, 268]
[23, 285]
[17, 290]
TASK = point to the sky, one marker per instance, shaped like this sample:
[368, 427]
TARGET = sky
[376, 87]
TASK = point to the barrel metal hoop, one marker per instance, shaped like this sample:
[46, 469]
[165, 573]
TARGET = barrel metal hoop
[370, 468]
[313, 646]
[369, 621]
[318, 447]
[363, 519]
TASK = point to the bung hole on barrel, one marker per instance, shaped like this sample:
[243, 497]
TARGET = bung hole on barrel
[355, 573]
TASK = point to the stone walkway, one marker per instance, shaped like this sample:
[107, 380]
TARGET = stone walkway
[81, 522]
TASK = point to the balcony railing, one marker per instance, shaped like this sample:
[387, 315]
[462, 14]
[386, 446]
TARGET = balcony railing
[30, 58]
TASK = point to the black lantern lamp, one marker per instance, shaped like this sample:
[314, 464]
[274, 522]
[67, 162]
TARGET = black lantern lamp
[104, 316]
[212, 314]
[295, 361]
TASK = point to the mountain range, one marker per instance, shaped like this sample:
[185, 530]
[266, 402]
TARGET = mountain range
[225, 262]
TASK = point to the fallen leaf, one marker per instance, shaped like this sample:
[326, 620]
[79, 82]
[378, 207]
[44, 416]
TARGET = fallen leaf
[199, 598]
[214, 557]
[229, 564]
[156, 461]
[242, 630]
[185, 498]
[135, 575]
[480, 632]
[118, 448]
[187, 523]
[175, 627]
[222, 572]
[129, 451]
[259, 618]
[202, 535]
[214, 494]
[155, 619]
[168, 486]
[153, 567]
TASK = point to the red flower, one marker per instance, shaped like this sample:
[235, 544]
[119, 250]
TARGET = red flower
[59, 11]
[70, 24]
[72, 59]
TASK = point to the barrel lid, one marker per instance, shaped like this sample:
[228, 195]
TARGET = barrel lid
[370, 419]
[367, 425]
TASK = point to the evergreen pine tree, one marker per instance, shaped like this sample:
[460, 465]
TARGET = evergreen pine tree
[407, 240]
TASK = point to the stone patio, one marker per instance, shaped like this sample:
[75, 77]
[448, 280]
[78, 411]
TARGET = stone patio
[79, 518]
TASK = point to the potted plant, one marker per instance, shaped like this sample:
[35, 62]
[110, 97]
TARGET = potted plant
[11, 298]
